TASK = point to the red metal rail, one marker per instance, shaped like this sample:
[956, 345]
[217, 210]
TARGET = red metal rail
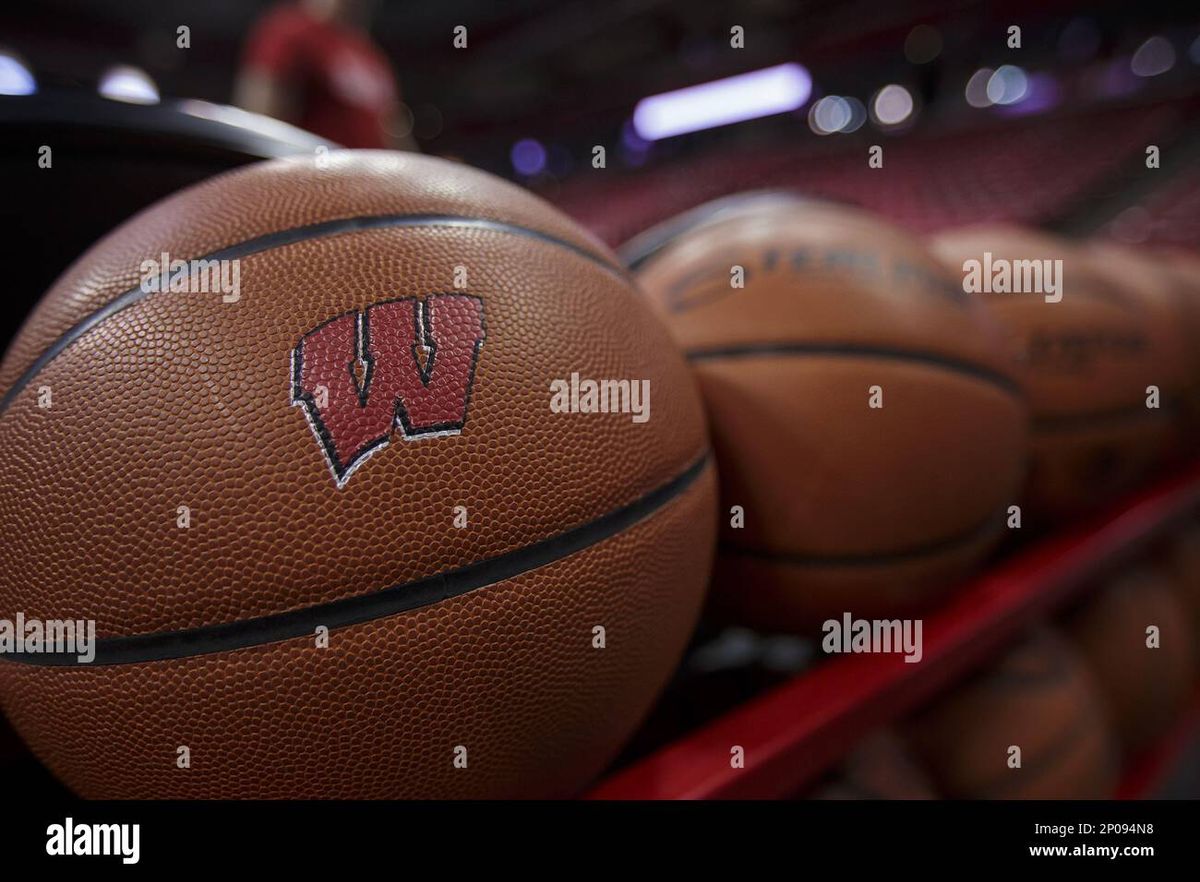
[793, 733]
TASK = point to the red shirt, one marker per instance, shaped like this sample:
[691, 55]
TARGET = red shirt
[343, 82]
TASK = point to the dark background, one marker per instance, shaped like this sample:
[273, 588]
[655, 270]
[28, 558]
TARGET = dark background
[571, 72]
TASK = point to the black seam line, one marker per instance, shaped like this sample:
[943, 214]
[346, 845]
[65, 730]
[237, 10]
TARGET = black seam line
[853, 350]
[386, 602]
[290, 237]
[997, 787]
[1132, 413]
[849, 560]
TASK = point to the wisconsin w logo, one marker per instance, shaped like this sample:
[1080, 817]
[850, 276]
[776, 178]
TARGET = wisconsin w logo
[403, 364]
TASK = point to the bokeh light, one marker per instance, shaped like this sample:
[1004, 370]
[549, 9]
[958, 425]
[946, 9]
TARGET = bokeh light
[1155, 56]
[977, 88]
[1007, 85]
[15, 77]
[528, 157]
[892, 105]
[130, 84]
[831, 114]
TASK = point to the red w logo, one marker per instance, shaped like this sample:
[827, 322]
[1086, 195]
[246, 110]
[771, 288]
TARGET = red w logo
[407, 363]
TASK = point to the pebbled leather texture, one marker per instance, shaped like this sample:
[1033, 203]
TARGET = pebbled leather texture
[182, 399]
[1145, 689]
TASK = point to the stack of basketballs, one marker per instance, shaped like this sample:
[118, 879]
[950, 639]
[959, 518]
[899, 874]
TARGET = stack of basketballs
[431, 509]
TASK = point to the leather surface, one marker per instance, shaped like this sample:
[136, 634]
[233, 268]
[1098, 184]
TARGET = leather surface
[836, 302]
[509, 672]
[1087, 362]
[1144, 689]
[186, 400]
[880, 767]
[777, 593]
[1167, 297]
[1040, 697]
[181, 399]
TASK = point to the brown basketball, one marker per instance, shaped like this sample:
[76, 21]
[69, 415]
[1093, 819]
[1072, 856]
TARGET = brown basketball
[1174, 309]
[1089, 359]
[847, 506]
[880, 767]
[1145, 688]
[1184, 264]
[1040, 698]
[361, 440]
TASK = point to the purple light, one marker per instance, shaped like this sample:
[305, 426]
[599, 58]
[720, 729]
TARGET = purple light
[1116, 79]
[635, 149]
[1042, 94]
[15, 77]
[766, 92]
[528, 157]
[632, 140]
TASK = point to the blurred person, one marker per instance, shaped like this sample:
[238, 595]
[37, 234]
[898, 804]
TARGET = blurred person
[312, 63]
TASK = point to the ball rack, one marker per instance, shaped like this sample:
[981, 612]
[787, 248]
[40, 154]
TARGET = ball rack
[792, 734]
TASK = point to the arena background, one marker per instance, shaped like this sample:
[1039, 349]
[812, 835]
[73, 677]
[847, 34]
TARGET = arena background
[544, 82]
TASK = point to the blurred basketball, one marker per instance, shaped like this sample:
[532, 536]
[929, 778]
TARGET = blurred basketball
[1183, 264]
[1039, 698]
[359, 445]
[864, 411]
[1088, 359]
[881, 767]
[1144, 687]
[1174, 310]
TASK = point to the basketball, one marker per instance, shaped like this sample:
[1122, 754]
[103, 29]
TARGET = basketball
[1183, 265]
[865, 414]
[413, 500]
[1174, 312]
[1039, 698]
[881, 767]
[1146, 679]
[1090, 349]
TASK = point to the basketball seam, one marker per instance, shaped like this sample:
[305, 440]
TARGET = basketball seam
[406, 596]
[853, 350]
[874, 558]
[996, 787]
[1131, 413]
[291, 236]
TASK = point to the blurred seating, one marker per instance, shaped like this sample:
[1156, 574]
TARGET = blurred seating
[1027, 170]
